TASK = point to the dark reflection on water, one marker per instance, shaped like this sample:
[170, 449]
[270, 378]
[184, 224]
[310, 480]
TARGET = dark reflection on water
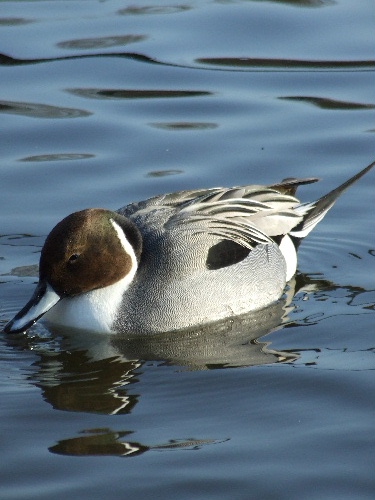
[325, 103]
[58, 157]
[36, 110]
[254, 62]
[106, 442]
[24, 271]
[241, 63]
[6, 60]
[299, 3]
[164, 173]
[72, 381]
[134, 10]
[101, 42]
[137, 93]
[14, 21]
[185, 125]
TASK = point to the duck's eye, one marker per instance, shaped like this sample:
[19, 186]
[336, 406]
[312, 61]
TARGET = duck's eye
[73, 258]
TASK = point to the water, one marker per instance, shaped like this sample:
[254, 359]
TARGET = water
[104, 103]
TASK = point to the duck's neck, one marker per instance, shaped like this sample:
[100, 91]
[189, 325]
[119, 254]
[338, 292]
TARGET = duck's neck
[96, 310]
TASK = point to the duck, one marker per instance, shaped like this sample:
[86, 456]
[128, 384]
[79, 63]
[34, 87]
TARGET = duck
[173, 261]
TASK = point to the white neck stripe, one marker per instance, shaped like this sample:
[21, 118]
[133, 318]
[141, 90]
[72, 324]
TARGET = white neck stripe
[125, 244]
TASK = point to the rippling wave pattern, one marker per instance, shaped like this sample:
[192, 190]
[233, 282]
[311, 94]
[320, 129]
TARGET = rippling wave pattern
[243, 63]
[137, 93]
[99, 43]
[58, 157]
[40, 110]
[324, 103]
[286, 64]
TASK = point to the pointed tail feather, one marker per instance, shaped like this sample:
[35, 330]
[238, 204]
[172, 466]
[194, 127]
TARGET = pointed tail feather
[315, 211]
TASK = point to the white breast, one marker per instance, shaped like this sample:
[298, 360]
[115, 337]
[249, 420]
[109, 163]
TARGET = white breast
[95, 310]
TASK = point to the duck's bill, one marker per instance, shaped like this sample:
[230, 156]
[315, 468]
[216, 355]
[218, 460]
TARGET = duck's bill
[42, 300]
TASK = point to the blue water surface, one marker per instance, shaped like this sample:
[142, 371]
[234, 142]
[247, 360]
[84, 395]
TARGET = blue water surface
[104, 103]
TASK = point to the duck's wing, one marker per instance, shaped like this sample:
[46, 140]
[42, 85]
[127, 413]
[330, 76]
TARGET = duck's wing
[165, 200]
[260, 213]
[247, 215]
[180, 199]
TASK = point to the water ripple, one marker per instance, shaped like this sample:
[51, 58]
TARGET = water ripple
[101, 42]
[273, 63]
[58, 157]
[147, 10]
[293, 3]
[14, 21]
[36, 110]
[326, 103]
[136, 93]
[249, 64]
[185, 125]
[164, 173]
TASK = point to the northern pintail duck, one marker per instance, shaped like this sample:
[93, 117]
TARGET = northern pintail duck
[175, 260]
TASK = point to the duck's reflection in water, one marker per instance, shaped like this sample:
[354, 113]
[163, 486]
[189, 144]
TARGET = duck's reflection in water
[106, 442]
[96, 377]
[86, 372]
[90, 373]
